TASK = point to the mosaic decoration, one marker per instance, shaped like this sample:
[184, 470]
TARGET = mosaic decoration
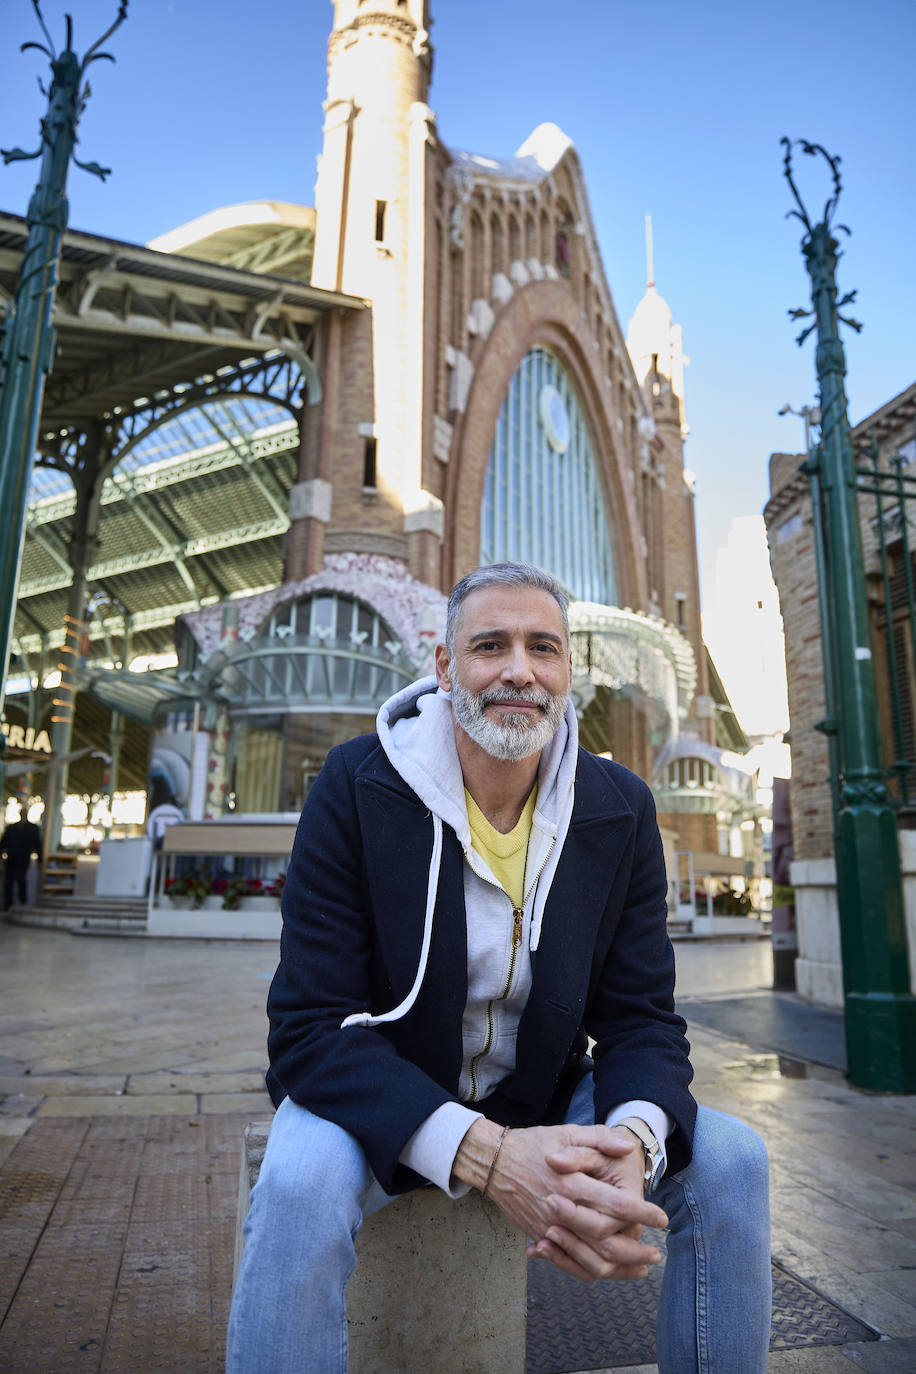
[415, 611]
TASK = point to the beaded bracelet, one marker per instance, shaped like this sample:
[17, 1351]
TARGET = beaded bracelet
[499, 1145]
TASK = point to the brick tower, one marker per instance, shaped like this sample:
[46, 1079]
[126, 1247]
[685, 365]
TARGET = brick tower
[370, 201]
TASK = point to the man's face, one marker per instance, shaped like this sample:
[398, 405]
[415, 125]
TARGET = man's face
[511, 670]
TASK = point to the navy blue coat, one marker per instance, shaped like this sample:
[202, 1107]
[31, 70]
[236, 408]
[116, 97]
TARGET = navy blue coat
[353, 913]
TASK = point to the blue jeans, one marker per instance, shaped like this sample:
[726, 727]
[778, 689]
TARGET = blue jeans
[315, 1187]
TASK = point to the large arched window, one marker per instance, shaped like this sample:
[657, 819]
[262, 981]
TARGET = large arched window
[543, 500]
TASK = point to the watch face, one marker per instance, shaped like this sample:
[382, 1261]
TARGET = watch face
[554, 418]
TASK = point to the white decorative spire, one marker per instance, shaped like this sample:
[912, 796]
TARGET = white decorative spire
[654, 342]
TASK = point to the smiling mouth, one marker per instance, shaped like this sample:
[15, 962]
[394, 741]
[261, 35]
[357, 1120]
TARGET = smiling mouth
[518, 705]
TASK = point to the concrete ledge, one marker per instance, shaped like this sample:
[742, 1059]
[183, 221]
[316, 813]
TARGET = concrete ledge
[190, 924]
[439, 1285]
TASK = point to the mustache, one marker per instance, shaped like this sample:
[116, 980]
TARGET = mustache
[506, 695]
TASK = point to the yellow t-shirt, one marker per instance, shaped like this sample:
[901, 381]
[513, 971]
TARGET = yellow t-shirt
[504, 854]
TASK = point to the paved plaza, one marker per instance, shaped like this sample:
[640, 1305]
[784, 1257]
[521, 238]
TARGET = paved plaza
[128, 1068]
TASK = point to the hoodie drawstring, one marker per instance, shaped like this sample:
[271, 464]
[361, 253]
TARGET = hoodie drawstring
[365, 1018]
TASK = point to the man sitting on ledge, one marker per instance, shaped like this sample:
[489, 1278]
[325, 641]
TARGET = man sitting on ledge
[470, 896]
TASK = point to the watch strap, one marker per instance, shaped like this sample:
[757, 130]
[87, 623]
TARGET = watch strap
[652, 1151]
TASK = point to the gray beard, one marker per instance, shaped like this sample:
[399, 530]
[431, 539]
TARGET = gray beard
[516, 737]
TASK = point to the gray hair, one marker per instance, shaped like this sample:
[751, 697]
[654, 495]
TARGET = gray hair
[501, 575]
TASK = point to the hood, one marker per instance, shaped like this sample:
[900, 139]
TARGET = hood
[417, 732]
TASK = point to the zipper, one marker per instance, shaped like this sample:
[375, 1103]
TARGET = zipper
[518, 918]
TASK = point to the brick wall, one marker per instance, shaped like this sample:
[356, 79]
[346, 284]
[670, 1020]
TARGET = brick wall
[699, 833]
[791, 539]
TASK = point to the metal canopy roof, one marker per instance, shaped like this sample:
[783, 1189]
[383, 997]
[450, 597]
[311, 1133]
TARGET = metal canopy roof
[131, 321]
[196, 507]
[258, 236]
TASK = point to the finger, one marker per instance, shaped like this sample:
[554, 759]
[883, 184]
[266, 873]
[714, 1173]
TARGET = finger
[582, 1158]
[622, 1260]
[591, 1222]
[617, 1251]
[597, 1269]
[609, 1200]
[602, 1233]
[543, 1249]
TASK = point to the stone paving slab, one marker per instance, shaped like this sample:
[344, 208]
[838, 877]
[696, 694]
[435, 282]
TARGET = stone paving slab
[62, 1085]
[251, 1104]
[193, 1081]
[174, 1104]
[774, 1021]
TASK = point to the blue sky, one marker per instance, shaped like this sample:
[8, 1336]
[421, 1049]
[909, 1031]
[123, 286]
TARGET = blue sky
[675, 109]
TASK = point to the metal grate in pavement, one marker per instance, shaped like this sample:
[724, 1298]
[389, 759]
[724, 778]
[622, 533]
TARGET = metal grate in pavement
[574, 1326]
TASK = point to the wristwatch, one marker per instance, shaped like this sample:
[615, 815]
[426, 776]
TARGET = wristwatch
[653, 1161]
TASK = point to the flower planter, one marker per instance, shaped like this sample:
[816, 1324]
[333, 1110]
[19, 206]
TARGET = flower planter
[256, 918]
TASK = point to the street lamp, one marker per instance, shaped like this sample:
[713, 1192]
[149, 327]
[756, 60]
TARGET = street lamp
[28, 345]
[880, 1008]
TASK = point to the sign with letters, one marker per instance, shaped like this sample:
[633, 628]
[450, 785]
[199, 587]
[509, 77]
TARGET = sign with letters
[26, 738]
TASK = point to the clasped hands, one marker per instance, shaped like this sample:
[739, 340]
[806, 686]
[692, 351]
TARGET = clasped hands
[575, 1191]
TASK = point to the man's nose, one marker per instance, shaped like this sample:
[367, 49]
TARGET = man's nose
[518, 669]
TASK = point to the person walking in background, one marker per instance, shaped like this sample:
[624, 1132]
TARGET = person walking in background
[18, 843]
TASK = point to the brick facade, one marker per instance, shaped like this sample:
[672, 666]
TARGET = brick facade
[790, 532]
[468, 264]
[791, 538]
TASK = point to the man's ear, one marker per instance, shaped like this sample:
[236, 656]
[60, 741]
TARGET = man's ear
[443, 663]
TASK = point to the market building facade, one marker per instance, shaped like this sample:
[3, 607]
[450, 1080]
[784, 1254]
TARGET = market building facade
[429, 373]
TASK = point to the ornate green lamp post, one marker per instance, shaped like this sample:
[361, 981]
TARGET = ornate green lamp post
[28, 346]
[880, 1009]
